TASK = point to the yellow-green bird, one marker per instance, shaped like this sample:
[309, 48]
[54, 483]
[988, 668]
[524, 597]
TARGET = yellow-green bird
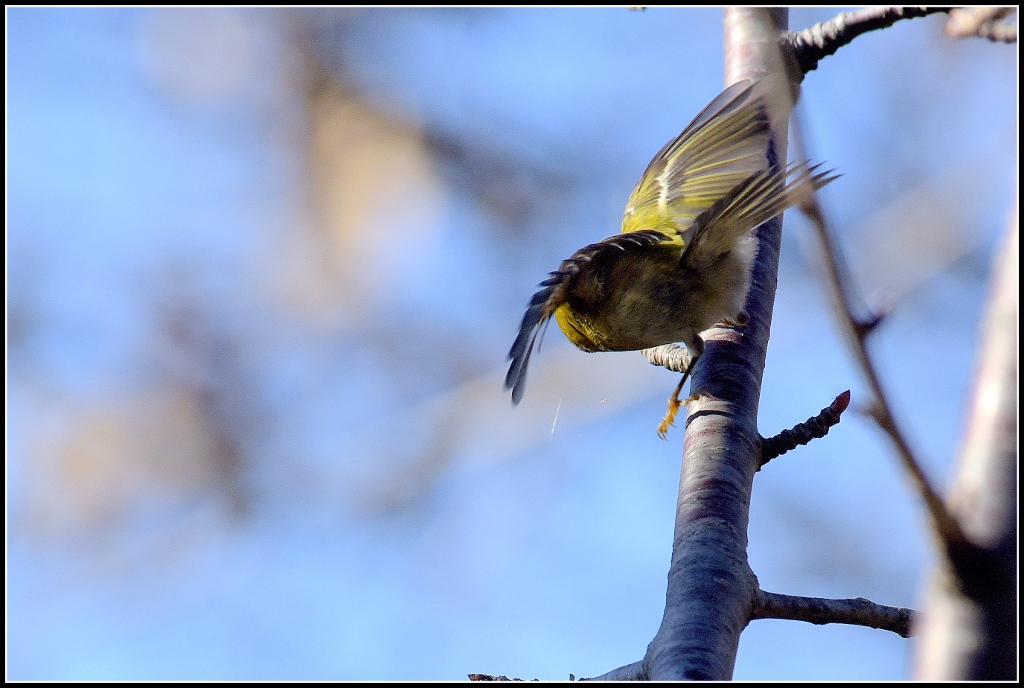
[682, 262]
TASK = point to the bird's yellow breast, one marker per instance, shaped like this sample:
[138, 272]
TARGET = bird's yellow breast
[579, 330]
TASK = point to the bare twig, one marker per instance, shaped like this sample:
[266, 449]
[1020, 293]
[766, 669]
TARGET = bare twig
[945, 525]
[813, 428]
[977, 578]
[821, 40]
[818, 610]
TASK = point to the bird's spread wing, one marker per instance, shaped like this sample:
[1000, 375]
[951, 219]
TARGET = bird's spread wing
[756, 199]
[555, 291]
[725, 144]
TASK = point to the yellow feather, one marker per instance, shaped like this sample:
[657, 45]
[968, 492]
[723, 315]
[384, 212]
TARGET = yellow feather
[722, 147]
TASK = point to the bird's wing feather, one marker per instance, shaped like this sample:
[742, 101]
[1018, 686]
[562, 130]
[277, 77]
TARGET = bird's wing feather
[758, 198]
[719, 149]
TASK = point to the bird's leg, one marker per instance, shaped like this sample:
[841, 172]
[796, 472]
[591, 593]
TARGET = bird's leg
[673, 408]
[674, 402]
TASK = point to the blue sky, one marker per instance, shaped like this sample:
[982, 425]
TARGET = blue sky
[263, 271]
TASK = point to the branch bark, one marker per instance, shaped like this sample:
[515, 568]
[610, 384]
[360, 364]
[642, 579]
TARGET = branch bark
[817, 42]
[819, 610]
[802, 433]
[711, 588]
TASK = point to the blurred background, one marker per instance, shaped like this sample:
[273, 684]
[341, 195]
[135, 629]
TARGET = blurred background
[263, 270]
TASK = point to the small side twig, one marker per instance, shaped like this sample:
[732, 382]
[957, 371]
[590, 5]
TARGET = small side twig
[816, 42]
[819, 610]
[813, 428]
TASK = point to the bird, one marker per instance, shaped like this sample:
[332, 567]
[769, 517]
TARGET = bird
[682, 261]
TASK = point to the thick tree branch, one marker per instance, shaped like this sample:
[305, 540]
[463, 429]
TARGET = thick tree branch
[969, 622]
[711, 588]
[818, 610]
